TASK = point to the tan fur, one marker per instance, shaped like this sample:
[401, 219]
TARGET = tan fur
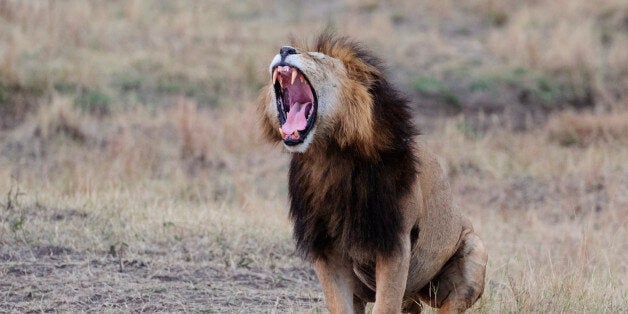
[268, 123]
[444, 265]
[355, 121]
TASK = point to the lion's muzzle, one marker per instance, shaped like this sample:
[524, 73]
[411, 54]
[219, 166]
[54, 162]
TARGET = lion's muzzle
[296, 102]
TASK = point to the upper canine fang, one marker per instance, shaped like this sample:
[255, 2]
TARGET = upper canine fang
[294, 76]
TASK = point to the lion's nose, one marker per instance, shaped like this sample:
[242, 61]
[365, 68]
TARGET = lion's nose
[287, 50]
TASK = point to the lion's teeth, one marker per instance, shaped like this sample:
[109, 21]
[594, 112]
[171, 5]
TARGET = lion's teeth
[301, 79]
[283, 135]
[275, 76]
[294, 76]
[281, 82]
[295, 134]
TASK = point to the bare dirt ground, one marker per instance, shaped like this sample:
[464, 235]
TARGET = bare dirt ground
[52, 279]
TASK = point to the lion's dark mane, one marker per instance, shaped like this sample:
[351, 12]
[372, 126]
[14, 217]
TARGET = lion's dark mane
[359, 212]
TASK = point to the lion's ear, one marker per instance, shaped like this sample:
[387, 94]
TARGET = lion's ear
[266, 121]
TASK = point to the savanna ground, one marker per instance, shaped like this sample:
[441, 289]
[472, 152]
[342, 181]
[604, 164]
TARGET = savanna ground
[132, 177]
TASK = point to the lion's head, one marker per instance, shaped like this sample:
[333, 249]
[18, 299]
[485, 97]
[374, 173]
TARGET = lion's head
[324, 95]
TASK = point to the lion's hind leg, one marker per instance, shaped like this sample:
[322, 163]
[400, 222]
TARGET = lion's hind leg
[461, 281]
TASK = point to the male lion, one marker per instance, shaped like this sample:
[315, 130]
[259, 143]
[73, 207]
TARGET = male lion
[371, 206]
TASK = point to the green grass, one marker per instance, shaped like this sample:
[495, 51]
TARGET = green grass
[94, 101]
[436, 88]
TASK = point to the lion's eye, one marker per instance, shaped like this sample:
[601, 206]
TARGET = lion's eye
[317, 55]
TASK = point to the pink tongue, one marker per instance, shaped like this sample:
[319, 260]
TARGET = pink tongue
[296, 120]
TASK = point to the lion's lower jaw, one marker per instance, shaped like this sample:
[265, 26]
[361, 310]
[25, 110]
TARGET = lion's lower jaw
[302, 147]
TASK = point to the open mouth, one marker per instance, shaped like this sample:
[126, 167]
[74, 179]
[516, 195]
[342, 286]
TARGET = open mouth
[296, 104]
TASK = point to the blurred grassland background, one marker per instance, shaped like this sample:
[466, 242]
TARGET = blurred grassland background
[128, 136]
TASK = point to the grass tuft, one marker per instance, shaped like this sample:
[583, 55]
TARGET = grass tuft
[584, 129]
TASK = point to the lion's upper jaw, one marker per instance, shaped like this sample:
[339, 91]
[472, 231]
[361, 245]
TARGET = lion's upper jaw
[323, 75]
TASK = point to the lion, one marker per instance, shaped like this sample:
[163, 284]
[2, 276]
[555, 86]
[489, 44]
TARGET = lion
[371, 205]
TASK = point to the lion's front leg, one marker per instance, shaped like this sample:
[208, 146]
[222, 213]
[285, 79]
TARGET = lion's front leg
[391, 274]
[336, 277]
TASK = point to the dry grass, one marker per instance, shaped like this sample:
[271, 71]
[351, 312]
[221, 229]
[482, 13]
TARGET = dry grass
[128, 137]
[573, 39]
[570, 128]
[554, 218]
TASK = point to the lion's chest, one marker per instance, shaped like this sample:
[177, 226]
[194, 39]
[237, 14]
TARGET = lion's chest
[349, 207]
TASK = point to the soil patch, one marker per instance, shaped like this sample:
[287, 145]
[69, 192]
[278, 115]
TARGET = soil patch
[59, 279]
